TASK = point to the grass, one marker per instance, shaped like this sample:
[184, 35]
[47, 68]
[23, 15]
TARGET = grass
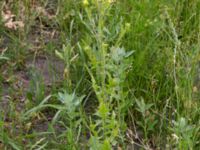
[100, 75]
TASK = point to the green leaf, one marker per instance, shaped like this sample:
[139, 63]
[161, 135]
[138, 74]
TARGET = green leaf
[103, 110]
[59, 54]
[5, 58]
[106, 145]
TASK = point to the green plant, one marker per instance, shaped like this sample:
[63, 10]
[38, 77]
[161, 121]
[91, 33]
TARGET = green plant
[2, 57]
[184, 134]
[71, 103]
[148, 122]
[67, 56]
[107, 65]
[36, 90]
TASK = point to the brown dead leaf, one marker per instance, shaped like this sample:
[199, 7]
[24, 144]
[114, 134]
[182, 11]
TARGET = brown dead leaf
[7, 15]
[119, 148]
[14, 25]
[42, 11]
[1, 145]
[8, 20]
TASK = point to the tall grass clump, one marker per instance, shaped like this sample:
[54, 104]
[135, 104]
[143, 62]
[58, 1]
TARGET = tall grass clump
[165, 36]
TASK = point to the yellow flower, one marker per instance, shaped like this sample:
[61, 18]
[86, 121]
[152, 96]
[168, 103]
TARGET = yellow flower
[111, 1]
[107, 1]
[127, 26]
[85, 2]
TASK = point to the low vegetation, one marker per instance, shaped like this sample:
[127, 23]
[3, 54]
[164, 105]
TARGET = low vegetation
[99, 74]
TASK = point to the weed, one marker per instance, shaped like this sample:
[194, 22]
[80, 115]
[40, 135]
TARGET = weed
[128, 74]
